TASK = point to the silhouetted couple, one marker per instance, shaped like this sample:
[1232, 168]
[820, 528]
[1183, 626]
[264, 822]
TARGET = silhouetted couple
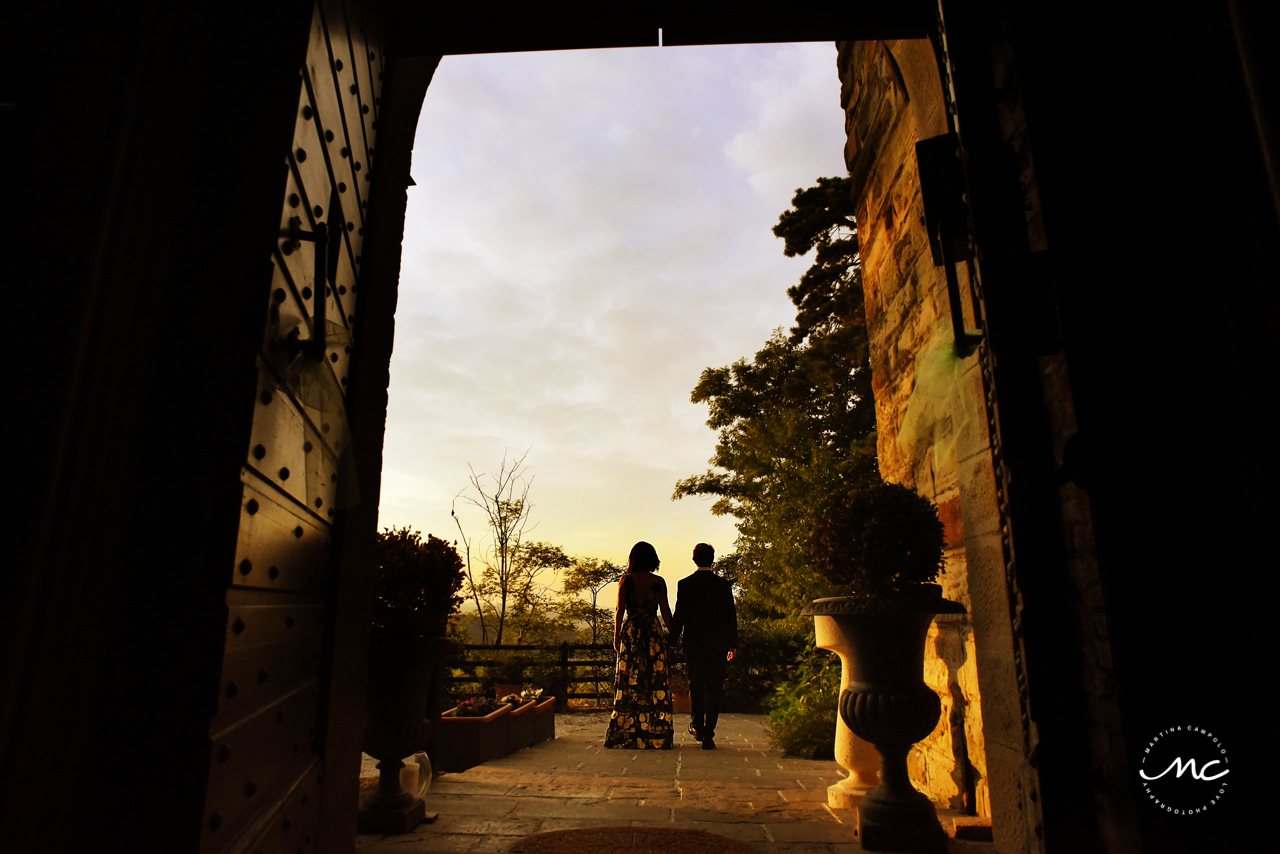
[706, 616]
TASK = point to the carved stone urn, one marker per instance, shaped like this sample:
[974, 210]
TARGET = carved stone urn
[402, 703]
[885, 702]
[855, 755]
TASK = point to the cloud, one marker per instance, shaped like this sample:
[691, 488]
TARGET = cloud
[792, 131]
[589, 231]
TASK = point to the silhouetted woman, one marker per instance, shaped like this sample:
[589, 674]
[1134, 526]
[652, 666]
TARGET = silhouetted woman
[641, 702]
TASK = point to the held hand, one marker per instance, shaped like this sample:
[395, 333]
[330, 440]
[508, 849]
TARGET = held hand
[729, 657]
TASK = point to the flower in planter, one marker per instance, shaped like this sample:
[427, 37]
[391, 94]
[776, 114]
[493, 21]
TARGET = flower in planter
[478, 707]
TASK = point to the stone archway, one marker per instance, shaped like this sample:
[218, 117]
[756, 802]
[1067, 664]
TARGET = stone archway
[144, 149]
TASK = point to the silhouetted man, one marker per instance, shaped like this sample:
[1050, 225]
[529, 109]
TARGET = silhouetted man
[706, 614]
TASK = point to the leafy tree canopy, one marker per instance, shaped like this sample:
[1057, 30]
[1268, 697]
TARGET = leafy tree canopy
[829, 310]
[797, 422]
[589, 576]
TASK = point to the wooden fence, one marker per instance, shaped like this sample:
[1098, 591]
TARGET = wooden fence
[575, 664]
[580, 671]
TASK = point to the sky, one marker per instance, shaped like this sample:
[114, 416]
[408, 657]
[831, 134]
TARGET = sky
[588, 232]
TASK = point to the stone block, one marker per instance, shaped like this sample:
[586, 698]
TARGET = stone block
[392, 822]
[468, 805]
[952, 524]
[979, 504]
[483, 825]
[1013, 812]
[829, 831]
[494, 844]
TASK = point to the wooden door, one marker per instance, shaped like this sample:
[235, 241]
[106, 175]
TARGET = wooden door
[266, 764]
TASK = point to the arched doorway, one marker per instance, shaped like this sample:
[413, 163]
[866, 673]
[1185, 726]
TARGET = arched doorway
[146, 150]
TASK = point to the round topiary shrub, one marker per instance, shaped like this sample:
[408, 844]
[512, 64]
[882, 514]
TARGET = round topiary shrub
[882, 539]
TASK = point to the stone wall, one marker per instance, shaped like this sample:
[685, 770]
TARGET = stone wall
[940, 434]
[929, 402]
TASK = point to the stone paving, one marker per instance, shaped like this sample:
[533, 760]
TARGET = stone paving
[744, 790]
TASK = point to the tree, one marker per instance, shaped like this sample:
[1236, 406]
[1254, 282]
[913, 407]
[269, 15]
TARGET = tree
[534, 613]
[830, 314]
[508, 591]
[590, 575]
[797, 422]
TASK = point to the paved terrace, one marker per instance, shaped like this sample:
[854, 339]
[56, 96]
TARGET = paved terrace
[745, 790]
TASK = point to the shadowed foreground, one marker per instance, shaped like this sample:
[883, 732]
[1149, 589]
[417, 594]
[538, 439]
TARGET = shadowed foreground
[744, 790]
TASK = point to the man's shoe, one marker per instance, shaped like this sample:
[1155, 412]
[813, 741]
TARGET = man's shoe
[693, 731]
[708, 743]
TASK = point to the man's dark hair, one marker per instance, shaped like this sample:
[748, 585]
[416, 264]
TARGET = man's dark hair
[704, 555]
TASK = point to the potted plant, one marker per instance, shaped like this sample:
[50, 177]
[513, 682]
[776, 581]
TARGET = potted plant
[415, 591]
[883, 543]
[509, 678]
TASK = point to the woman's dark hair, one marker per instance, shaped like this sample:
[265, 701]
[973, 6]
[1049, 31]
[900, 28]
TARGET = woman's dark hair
[644, 557]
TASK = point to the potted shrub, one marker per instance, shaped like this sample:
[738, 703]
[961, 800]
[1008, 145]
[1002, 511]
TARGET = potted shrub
[883, 543]
[415, 591]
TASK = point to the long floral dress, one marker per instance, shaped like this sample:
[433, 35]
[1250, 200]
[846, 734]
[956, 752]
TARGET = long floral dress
[641, 716]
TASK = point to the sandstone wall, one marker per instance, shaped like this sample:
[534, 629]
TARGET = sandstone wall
[929, 403]
[940, 433]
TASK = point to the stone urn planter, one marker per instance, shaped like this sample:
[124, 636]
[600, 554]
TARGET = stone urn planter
[855, 755]
[401, 699]
[885, 702]
[884, 543]
[415, 585]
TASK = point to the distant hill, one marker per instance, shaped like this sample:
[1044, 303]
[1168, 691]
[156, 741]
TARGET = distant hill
[470, 624]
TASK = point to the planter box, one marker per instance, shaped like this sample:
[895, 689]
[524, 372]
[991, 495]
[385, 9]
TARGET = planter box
[520, 733]
[544, 720]
[461, 743]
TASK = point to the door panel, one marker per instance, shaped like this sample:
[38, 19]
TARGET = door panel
[265, 764]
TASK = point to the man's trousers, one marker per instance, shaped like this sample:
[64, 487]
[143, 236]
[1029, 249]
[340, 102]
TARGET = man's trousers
[706, 690]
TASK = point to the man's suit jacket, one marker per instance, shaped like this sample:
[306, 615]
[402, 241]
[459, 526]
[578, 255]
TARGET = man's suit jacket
[705, 613]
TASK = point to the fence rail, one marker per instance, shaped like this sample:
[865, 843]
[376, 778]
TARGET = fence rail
[565, 658]
[574, 665]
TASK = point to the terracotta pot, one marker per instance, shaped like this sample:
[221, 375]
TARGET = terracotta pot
[885, 702]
